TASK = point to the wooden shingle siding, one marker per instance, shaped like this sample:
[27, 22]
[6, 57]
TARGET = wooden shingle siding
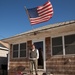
[47, 46]
[59, 64]
[24, 62]
[11, 52]
[29, 43]
[55, 64]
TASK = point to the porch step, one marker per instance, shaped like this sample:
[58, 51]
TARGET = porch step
[42, 73]
[59, 74]
[28, 73]
[39, 72]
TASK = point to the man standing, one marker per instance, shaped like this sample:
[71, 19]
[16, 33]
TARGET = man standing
[34, 55]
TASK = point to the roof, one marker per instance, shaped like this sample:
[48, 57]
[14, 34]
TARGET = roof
[44, 28]
[3, 46]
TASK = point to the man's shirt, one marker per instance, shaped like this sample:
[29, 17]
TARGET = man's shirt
[34, 54]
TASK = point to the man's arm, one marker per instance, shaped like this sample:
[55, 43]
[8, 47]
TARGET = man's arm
[29, 54]
[37, 54]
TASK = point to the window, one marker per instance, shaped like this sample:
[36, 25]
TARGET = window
[70, 44]
[63, 45]
[15, 50]
[23, 50]
[19, 50]
[57, 46]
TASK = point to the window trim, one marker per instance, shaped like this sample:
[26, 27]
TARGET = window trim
[26, 50]
[19, 51]
[12, 50]
[63, 41]
[51, 45]
[69, 44]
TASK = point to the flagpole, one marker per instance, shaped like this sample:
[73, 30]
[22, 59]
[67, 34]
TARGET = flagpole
[27, 12]
[28, 17]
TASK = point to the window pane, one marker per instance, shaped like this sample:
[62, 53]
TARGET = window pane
[56, 41]
[22, 46]
[15, 47]
[15, 50]
[57, 50]
[57, 46]
[70, 39]
[22, 53]
[15, 54]
[70, 49]
[23, 50]
[70, 44]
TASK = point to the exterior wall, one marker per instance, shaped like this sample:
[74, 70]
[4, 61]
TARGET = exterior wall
[19, 64]
[54, 64]
[59, 64]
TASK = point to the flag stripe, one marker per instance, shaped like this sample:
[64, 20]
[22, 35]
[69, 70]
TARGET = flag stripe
[38, 18]
[47, 8]
[36, 22]
[46, 12]
[43, 6]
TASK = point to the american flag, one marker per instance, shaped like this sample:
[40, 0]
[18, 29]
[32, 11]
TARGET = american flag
[41, 13]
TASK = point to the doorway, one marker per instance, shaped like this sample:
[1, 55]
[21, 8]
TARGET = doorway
[40, 46]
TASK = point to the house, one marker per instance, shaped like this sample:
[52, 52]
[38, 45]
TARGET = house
[3, 57]
[57, 44]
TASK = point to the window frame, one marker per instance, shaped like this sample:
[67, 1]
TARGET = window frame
[13, 50]
[69, 44]
[63, 41]
[25, 50]
[59, 45]
[19, 50]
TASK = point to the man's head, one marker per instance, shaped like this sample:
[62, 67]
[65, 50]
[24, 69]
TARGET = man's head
[33, 46]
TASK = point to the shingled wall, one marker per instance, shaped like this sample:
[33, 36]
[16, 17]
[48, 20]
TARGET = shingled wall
[60, 65]
[16, 65]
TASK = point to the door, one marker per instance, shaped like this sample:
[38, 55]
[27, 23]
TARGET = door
[40, 46]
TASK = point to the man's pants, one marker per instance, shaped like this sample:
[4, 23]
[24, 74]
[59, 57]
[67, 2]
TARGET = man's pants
[33, 63]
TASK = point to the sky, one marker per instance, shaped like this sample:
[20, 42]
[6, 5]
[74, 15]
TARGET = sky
[14, 20]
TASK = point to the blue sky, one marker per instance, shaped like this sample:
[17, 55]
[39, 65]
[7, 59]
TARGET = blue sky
[14, 20]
